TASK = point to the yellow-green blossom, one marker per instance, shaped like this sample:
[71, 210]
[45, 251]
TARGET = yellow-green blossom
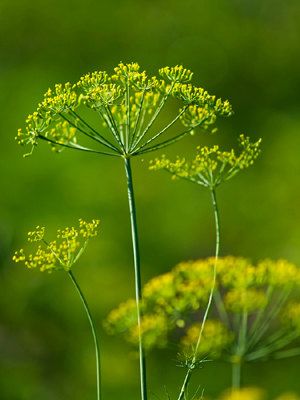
[215, 339]
[60, 253]
[238, 300]
[250, 393]
[211, 166]
[291, 316]
[254, 293]
[154, 331]
[127, 102]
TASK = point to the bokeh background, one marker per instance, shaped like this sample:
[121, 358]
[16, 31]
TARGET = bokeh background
[245, 50]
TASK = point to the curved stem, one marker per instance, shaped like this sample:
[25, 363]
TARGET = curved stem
[94, 332]
[217, 249]
[137, 275]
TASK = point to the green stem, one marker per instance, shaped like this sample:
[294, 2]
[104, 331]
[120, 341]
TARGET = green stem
[240, 352]
[236, 375]
[217, 250]
[137, 273]
[94, 332]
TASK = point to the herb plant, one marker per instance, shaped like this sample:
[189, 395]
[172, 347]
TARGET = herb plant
[61, 254]
[128, 104]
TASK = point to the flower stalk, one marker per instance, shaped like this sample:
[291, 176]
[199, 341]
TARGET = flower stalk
[137, 275]
[93, 329]
[193, 362]
[60, 255]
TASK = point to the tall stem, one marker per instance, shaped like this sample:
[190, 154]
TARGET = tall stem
[94, 332]
[217, 249]
[137, 275]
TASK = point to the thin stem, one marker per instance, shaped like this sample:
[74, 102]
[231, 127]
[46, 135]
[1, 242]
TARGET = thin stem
[240, 351]
[261, 313]
[135, 130]
[271, 315]
[272, 347]
[127, 102]
[174, 120]
[164, 143]
[94, 332]
[155, 115]
[217, 250]
[89, 135]
[221, 307]
[287, 353]
[137, 275]
[236, 375]
[95, 132]
[75, 146]
[104, 114]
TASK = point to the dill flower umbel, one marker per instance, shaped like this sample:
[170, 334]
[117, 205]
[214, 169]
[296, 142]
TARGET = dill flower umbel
[61, 253]
[127, 102]
[251, 300]
[211, 166]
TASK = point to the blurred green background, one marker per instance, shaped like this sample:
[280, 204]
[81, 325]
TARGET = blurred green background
[244, 50]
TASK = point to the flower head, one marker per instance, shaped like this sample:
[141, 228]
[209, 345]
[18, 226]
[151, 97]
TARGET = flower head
[254, 293]
[211, 166]
[128, 102]
[60, 253]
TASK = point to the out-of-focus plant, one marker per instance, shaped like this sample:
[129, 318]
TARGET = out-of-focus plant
[61, 254]
[129, 106]
[255, 314]
[253, 393]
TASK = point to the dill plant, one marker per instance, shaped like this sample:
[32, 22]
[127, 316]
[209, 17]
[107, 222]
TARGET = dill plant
[61, 254]
[129, 105]
[210, 168]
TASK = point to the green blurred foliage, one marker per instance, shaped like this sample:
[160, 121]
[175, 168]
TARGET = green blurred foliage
[244, 50]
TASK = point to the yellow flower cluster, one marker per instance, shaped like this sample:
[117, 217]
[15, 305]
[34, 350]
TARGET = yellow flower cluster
[154, 331]
[243, 288]
[103, 95]
[215, 338]
[291, 316]
[253, 393]
[128, 101]
[58, 100]
[176, 74]
[211, 166]
[47, 122]
[239, 299]
[61, 253]
[249, 393]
